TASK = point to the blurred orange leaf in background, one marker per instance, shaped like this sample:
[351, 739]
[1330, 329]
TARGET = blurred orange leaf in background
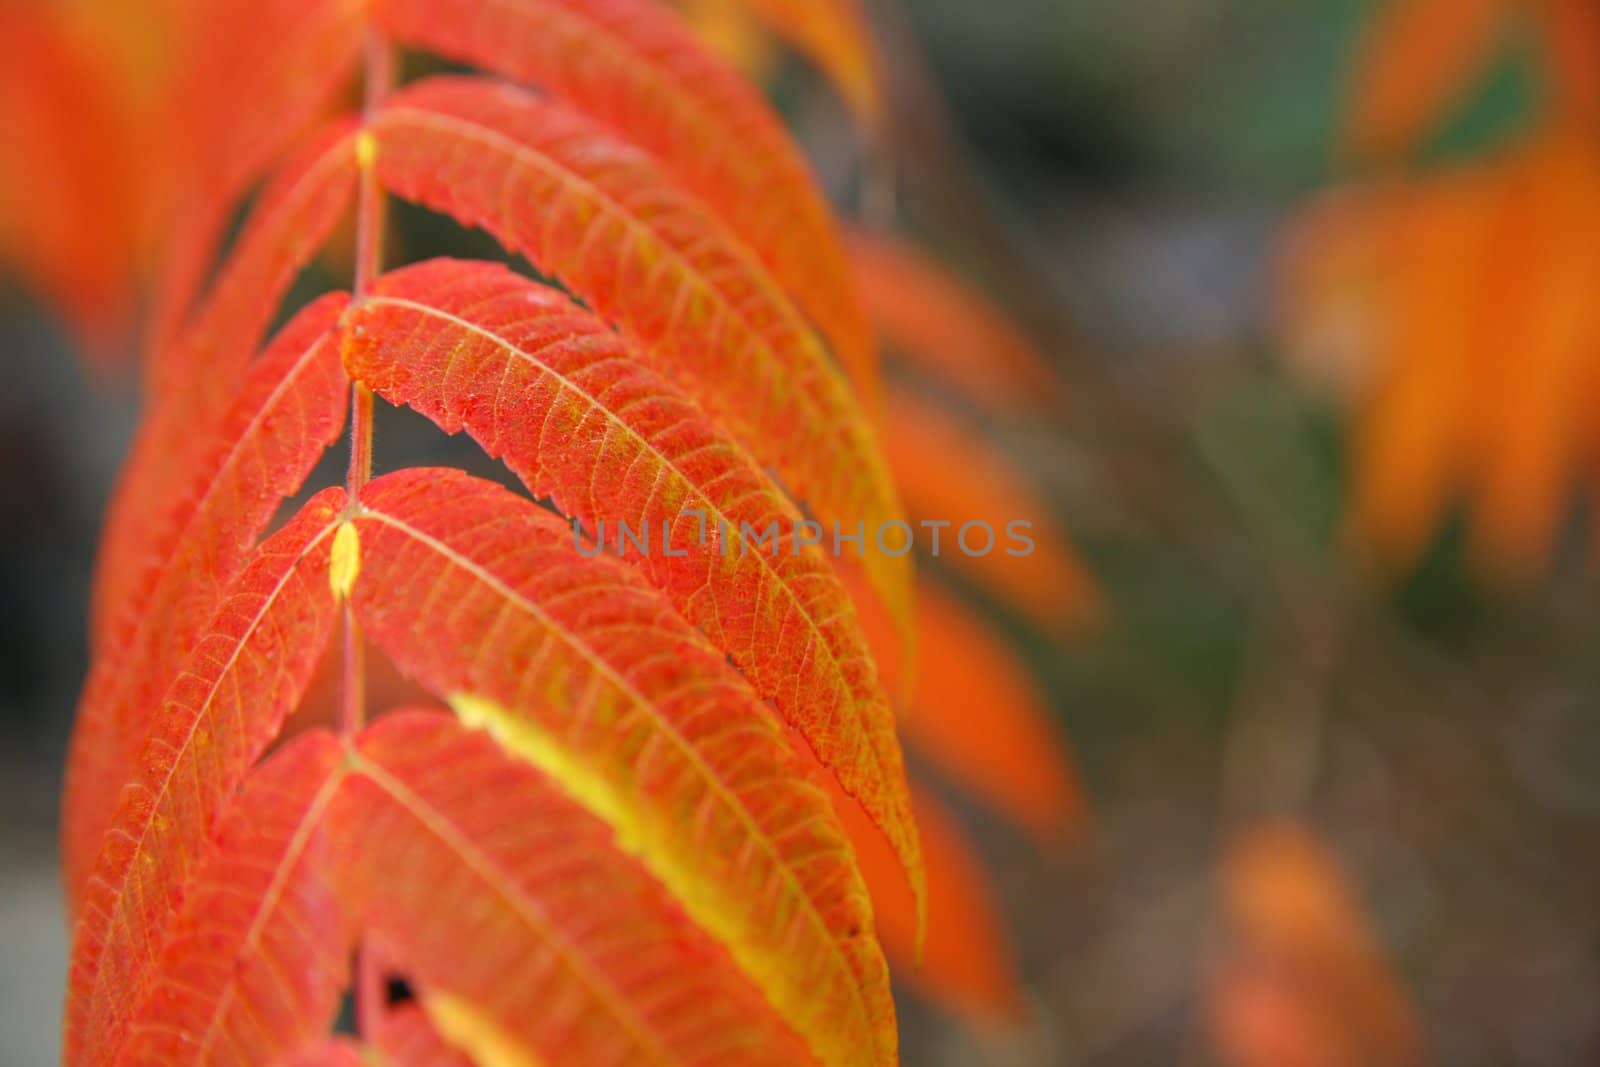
[1465, 302]
[1417, 56]
[68, 185]
[973, 710]
[1302, 983]
[1455, 309]
[933, 321]
[835, 36]
[979, 717]
[937, 328]
[948, 472]
[832, 34]
[966, 963]
[734, 33]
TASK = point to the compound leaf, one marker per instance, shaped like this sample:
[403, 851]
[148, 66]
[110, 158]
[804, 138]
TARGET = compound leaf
[600, 215]
[289, 409]
[577, 416]
[195, 376]
[490, 885]
[586, 672]
[258, 955]
[248, 669]
[633, 66]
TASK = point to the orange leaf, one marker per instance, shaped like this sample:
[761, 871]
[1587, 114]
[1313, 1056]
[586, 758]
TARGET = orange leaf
[936, 322]
[975, 714]
[1416, 56]
[1331, 295]
[633, 66]
[949, 474]
[729, 29]
[1303, 983]
[1462, 301]
[290, 220]
[979, 718]
[248, 669]
[258, 955]
[1533, 359]
[193, 380]
[1408, 446]
[487, 883]
[474, 345]
[966, 962]
[67, 194]
[334, 1052]
[290, 407]
[600, 216]
[257, 75]
[1571, 34]
[835, 35]
[583, 670]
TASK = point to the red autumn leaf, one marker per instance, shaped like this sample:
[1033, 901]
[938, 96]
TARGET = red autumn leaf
[290, 407]
[488, 883]
[333, 1052]
[196, 376]
[258, 956]
[248, 669]
[469, 332]
[290, 220]
[631, 65]
[616, 231]
[629, 860]
[578, 667]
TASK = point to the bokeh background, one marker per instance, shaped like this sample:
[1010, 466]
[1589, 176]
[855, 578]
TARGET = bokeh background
[1325, 444]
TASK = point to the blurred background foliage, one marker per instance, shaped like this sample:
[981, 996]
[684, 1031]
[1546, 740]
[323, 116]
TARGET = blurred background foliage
[1339, 810]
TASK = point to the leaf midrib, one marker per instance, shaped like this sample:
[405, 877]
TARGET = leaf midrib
[757, 273]
[160, 794]
[665, 727]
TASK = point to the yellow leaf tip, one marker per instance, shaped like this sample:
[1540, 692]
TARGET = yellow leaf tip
[366, 149]
[344, 566]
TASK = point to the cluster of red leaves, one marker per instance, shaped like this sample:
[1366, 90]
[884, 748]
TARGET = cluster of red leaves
[1453, 307]
[626, 839]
